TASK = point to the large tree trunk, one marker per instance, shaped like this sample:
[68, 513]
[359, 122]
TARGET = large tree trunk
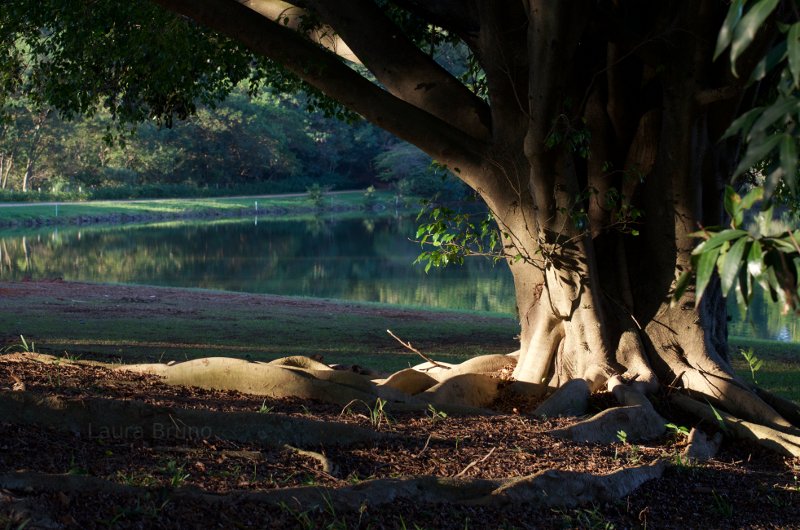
[593, 287]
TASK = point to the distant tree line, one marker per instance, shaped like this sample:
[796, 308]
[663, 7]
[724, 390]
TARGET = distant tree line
[249, 143]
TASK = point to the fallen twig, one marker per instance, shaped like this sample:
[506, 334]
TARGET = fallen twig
[425, 447]
[474, 463]
[410, 347]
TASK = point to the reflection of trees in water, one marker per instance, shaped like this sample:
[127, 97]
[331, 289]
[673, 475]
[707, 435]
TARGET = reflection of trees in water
[358, 259]
[763, 320]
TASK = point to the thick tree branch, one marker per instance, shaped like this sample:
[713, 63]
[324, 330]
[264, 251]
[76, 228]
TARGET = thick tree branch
[291, 16]
[402, 67]
[326, 72]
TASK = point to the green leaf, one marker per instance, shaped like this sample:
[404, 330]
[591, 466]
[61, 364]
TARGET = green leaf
[726, 32]
[681, 285]
[754, 195]
[755, 260]
[705, 268]
[743, 123]
[717, 240]
[732, 203]
[793, 47]
[731, 264]
[770, 61]
[745, 31]
[773, 113]
[756, 152]
[789, 158]
[743, 289]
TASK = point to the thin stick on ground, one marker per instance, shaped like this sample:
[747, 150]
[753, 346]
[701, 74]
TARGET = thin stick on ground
[475, 462]
[410, 347]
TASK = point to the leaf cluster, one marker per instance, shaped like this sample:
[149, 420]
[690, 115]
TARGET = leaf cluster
[770, 131]
[451, 236]
[743, 258]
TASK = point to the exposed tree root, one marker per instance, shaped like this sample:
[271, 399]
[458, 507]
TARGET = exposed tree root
[571, 399]
[781, 442]
[569, 488]
[548, 488]
[408, 381]
[328, 467]
[224, 373]
[472, 390]
[107, 418]
[701, 447]
[638, 422]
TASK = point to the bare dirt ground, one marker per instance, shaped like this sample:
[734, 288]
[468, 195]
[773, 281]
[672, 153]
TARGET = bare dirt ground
[64, 477]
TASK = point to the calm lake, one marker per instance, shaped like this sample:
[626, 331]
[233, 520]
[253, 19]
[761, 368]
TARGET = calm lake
[366, 259]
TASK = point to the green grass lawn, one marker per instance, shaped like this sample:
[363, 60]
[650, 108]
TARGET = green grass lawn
[780, 372]
[12, 213]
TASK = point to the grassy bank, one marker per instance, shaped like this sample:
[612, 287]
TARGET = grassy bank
[140, 323]
[132, 323]
[32, 214]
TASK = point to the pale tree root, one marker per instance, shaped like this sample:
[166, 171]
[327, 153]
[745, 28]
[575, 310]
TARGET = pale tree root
[636, 418]
[273, 380]
[549, 488]
[289, 379]
[108, 418]
[458, 392]
[571, 399]
[700, 447]
[328, 467]
[781, 442]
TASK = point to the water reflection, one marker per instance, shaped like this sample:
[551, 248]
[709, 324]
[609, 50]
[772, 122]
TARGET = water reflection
[357, 259]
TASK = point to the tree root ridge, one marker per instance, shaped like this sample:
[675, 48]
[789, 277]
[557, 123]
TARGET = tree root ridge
[781, 442]
[549, 488]
[109, 418]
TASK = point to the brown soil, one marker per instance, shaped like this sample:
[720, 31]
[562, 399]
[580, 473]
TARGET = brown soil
[745, 487]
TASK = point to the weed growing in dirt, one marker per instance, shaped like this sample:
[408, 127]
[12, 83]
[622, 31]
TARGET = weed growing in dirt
[677, 431]
[74, 468]
[377, 414]
[436, 415]
[264, 408]
[22, 347]
[137, 512]
[176, 474]
[721, 505]
[590, 518]
[631, 450]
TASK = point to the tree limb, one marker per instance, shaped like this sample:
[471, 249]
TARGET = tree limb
[324, 71]
[400, 66]
[291, 16]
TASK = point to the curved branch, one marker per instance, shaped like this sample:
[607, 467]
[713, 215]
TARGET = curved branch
[402, 67]
[323, 70]
[291, 16]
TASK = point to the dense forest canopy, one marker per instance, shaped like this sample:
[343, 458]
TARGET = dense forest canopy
[600, 135]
